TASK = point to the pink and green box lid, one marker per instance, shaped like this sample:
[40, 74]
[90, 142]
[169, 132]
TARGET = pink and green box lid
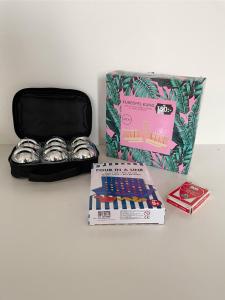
[152, 118]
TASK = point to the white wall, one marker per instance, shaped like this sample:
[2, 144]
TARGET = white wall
[73, 45]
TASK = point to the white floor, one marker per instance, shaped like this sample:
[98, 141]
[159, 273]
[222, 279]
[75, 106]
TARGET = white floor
[48, 252]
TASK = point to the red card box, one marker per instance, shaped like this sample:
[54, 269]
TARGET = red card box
[188, 197]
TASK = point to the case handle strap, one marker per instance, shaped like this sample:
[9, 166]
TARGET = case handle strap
[54, 176]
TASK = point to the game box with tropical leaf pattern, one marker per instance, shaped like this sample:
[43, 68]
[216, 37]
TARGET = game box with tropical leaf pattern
[152, 118]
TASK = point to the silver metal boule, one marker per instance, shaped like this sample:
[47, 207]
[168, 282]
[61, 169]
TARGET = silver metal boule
[30, 143]
[83, 152]
[80, 138]
[55, 144]
[56, 139]
[52, 154]
[79, 143]
[25, 155]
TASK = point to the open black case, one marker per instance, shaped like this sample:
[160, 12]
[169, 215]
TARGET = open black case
[42, 113]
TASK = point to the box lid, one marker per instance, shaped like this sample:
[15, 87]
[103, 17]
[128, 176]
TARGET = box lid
[41, 113]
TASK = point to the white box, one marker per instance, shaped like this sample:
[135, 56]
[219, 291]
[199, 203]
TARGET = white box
[123, 193]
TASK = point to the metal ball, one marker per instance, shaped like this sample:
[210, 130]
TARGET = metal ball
[53, 154]
[80, 138]
[25, 155]
[83, 152]
[56, 140]
[79, 143]
[29, 143]
[55, 144]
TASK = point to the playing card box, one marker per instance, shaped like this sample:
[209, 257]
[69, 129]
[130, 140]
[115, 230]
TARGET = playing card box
[123, 193]
[188, 197]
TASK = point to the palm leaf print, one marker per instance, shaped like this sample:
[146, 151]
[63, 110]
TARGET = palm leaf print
[127, 84]
[111, 146]
[112, 88]
[141, 156]
[113, 118]
[186, 92]
[144, 88]
[179, 87]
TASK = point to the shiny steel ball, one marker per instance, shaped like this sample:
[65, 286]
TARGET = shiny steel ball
[83, 152]
[80, 138]
[25, 155]
[54, 154]
[79, 143]
[56, 140]
[29, 143]
[55, 144]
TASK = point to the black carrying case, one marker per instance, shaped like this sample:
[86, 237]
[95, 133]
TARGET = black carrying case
[42, 113]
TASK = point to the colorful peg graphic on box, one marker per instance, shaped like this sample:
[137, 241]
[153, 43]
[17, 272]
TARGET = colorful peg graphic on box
[147, 123]
[152, 118]
[129, 190]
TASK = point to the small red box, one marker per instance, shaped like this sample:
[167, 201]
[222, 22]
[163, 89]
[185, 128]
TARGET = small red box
[188, 197]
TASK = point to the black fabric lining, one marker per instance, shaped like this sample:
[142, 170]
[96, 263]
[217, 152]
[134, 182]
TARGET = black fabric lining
[41, 113]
